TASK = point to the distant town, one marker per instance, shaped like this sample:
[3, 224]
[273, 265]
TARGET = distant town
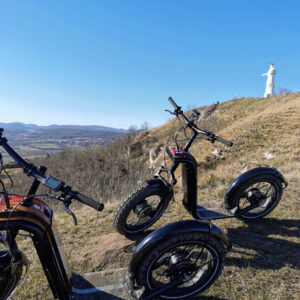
[31, 140]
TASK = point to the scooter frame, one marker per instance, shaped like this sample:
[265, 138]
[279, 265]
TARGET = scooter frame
[189, 185]
[37, 220]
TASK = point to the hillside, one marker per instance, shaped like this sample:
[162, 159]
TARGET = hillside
[264, 262]
[263, 131]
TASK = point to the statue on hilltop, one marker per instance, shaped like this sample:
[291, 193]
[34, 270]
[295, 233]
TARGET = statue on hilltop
[270, 85]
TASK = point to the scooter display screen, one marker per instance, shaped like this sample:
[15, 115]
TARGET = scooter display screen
[53, 183]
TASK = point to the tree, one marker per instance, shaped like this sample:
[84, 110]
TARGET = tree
[145, 126]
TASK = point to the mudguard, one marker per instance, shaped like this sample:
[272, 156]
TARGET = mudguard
[164, 186]
[167, 231]
[158, 182]
[247, 176]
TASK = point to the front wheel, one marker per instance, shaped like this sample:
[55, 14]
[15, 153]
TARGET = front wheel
[264, 189]
[194, 257]
[140, 210]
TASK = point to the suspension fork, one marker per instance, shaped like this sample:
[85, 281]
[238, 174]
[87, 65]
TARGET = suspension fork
[171, 172]
[9, 240]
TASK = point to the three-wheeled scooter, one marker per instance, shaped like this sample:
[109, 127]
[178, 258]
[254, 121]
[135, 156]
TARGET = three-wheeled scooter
[251, 196]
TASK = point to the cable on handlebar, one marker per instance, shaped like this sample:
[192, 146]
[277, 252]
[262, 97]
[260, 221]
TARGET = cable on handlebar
[190, 123]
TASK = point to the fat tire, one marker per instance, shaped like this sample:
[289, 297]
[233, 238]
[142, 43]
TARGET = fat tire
[267, 178]
[128, 204]
[212, 242]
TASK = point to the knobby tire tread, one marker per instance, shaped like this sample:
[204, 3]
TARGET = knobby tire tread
[129, 203]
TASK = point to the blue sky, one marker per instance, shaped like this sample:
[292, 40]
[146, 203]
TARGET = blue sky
[115, 63]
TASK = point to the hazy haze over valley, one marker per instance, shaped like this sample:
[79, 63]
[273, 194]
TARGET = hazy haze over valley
[31, 140]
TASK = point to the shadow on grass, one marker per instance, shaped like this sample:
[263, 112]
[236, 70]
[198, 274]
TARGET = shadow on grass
[271, 241]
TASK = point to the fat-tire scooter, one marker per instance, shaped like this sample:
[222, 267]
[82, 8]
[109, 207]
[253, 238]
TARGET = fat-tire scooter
[176, 261]
[251, 196]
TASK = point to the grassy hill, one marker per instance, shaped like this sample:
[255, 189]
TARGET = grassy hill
[264, 262]
[264, 132]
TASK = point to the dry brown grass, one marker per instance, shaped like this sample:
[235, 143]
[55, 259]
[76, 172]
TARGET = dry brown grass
[264, 262]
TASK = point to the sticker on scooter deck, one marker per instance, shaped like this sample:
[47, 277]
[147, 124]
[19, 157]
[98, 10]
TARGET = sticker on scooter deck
[106, 285]
[214, 213]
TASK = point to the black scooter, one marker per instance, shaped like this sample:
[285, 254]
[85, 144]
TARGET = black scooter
[252, 195]
[177, 261]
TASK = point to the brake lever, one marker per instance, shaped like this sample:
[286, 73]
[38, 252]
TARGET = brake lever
[210, 135]
[67, 201]
[68, 210]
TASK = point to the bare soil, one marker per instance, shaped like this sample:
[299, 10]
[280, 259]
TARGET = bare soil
[110, 251]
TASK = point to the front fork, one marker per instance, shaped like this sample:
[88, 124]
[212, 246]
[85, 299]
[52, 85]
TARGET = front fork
[170, 173]
[143, 208]
[9, 241]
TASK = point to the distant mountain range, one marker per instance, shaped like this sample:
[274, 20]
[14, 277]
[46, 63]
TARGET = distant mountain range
[32, 140]
[18, 127]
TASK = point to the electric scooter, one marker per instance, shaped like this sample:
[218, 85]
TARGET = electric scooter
[251, 196]
[176, 261]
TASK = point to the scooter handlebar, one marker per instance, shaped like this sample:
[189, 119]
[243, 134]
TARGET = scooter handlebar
[228, 143]
[88, 201]
[173, 102]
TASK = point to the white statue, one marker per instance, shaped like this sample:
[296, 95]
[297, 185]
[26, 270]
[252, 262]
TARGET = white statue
[270, 85]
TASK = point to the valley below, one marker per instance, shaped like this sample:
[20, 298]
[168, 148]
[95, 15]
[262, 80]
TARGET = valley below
[31, 140]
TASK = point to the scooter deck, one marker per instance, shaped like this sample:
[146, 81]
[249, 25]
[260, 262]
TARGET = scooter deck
[106, 285]
[213, 213]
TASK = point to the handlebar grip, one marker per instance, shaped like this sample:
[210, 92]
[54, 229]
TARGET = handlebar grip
[228, 143]
[173, 102]
[88, 201]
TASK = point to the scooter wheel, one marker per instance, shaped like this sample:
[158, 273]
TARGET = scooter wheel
[196, 257]
[140, 210]
[267, 189]
[11, 272]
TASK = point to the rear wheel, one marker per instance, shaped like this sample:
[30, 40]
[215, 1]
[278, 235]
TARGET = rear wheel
[264, 189]
[194, 257]
[140, 210]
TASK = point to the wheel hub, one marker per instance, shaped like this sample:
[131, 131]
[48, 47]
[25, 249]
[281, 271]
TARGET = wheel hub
[143, 209]
[255, 195]
[180, 265]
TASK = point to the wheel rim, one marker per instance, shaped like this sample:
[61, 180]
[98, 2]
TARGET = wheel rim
[266, 194]
[136, 222]
[198, 267]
